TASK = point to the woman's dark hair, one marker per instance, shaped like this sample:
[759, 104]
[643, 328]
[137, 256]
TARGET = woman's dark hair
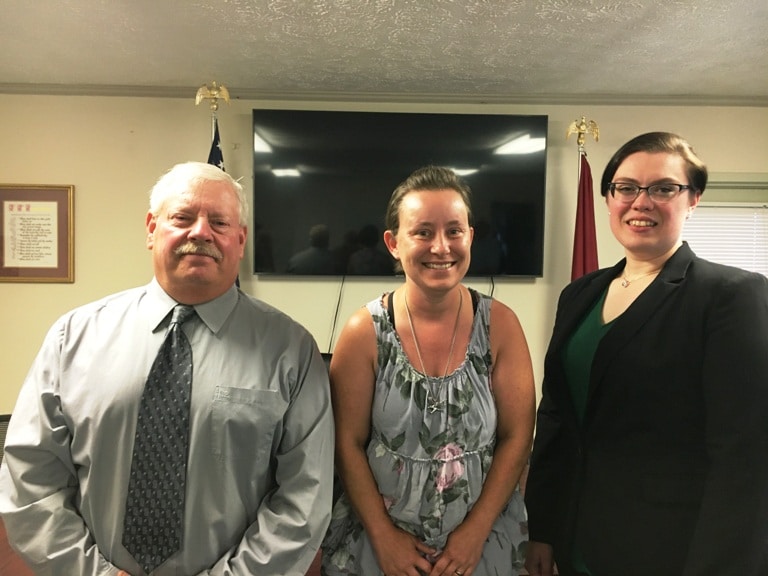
[426, 178]
[654, 142]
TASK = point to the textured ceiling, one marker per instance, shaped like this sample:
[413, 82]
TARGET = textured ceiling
[623, 51]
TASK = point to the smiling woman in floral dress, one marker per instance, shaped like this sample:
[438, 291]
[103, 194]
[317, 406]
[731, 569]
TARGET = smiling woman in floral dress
[434, 405]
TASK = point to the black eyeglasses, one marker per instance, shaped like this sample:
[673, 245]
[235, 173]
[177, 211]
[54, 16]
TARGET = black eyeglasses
[626, 192]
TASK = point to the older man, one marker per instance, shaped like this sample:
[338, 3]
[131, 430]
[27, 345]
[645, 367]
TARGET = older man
[243, 425]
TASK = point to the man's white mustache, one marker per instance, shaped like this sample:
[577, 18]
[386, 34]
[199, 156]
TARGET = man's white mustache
[202, 249]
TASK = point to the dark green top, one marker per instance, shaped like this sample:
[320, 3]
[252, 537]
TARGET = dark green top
[577, 361]
[579, 352]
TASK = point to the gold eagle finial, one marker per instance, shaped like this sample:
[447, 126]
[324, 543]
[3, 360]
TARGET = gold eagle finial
[582, 128]
[214, 93]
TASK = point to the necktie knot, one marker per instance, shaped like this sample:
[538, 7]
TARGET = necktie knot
[181, 313]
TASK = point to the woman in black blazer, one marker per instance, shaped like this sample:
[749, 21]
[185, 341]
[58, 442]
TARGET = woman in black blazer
[651, 448]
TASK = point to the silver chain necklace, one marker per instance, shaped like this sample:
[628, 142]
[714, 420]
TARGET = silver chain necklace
[433, 399]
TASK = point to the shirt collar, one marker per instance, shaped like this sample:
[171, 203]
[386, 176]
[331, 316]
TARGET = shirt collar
[213, 313]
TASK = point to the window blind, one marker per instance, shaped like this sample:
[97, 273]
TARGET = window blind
[733, 234]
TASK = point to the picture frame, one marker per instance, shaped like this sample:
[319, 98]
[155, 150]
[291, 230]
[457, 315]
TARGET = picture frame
[37, 233]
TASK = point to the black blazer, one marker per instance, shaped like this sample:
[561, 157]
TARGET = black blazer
[668, 474]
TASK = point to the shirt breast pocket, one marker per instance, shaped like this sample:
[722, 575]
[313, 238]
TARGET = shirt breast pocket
[244, 421]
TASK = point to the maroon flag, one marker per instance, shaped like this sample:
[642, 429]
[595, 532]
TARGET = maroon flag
[584, 238]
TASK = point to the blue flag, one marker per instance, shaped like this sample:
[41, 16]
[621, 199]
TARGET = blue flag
[216, 156]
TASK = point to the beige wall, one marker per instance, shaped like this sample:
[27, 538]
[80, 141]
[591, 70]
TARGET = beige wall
[113, 149]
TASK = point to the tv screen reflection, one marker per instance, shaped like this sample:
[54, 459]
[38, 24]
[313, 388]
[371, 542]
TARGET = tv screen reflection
[322, 181]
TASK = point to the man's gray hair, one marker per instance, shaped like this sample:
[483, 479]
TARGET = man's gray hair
[188, 176]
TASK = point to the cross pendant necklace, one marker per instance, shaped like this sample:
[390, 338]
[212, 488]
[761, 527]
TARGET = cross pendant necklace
[434, 403]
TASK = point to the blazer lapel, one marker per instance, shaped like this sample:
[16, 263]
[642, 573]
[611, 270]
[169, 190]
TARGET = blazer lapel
[638, 314]
[575, 304]
[575, 301]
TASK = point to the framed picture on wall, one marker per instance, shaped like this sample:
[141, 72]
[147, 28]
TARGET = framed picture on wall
[37, 233]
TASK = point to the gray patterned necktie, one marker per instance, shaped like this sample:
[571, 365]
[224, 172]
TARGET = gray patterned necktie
[154, 506]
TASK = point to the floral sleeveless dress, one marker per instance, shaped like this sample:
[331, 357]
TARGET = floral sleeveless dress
[429, 465]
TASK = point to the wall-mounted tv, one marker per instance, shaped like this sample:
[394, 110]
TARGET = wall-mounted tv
[322, 179]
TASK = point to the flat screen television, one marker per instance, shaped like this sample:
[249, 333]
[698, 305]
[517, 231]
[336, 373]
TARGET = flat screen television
[322, 180]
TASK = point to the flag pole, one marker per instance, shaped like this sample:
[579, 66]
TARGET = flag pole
[584, 237]
[214, 93]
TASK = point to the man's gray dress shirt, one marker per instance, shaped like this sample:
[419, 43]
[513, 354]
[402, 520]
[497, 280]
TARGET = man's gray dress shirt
[260, 471]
